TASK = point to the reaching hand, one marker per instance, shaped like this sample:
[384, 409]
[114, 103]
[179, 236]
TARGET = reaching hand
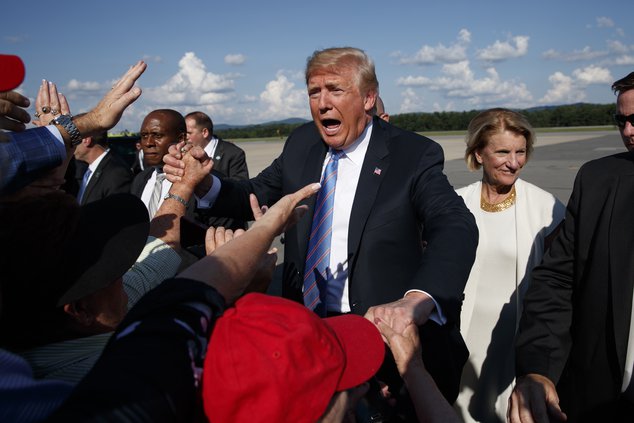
[285, 212]
[414, 308]
[534, 400]
[12, 115]
[49, 104]
[174, 167]
[217, 237]
[197, 167]
[109, 110]
[405, 346]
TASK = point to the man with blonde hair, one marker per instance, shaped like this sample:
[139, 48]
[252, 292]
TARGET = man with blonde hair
[387, 236]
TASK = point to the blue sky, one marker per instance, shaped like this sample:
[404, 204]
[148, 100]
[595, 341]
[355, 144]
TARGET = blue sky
[242, 61]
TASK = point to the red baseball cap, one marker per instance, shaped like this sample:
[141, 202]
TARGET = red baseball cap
[11, 72]
[271, 360]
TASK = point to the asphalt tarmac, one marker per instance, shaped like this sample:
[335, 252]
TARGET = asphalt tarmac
[553, 166]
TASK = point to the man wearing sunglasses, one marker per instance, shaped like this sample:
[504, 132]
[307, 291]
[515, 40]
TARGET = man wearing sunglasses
[574, 356]
[624, 117]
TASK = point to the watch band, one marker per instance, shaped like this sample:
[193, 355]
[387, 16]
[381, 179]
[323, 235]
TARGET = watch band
[176, 197]
[66, 122]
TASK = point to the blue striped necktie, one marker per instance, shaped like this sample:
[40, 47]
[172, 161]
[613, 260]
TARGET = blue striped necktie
[84, 184]
[316, 273]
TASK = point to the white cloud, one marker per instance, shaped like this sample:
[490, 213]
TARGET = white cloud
[76, 85]
[625, 60]
[411, 102]
[585, 53]
[414, 81]
[235, 59]
[149, 58]
[592, 75]
[502, 50]
[440, 53]
[563, 90]
[281, 99]
[570, 89]
[192, 85]
[618, 47]
[459, 81]
[604, 22]
[620, 32]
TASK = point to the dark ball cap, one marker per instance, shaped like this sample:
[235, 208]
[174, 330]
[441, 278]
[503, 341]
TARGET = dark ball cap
[110, 236]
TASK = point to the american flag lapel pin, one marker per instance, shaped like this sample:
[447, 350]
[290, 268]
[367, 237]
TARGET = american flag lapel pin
[377, 171]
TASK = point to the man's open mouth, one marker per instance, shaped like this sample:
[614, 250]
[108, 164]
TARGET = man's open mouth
[331, 125]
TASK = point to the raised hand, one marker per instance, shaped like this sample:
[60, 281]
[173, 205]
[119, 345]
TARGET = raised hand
[12, 115]
[49, 104]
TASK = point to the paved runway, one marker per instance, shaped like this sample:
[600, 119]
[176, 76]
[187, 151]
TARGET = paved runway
[552, 167]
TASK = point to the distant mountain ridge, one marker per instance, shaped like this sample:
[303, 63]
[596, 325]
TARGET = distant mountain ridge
[289, 121]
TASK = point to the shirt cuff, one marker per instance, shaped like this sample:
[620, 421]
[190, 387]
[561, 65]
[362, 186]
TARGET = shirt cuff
[55, 132]
[437, 314]
[208, 200]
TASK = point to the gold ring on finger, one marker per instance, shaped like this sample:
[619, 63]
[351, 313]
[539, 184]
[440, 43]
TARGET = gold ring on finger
[37, 114]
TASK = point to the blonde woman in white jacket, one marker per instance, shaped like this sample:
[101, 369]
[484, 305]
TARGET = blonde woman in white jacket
[515, 220]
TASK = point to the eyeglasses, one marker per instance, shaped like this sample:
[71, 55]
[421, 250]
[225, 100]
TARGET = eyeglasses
[621, 119]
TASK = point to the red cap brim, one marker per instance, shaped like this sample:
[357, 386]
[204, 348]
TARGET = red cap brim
[363, 346]
[11, 72]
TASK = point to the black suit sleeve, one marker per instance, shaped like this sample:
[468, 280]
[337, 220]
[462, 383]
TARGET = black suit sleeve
[544, 341]
[450, 235]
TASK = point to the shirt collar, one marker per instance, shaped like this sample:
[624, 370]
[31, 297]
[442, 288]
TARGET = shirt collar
[94, 164]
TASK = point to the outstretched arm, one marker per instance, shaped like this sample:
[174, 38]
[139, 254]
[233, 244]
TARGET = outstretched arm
[429, 402]
[231, 267]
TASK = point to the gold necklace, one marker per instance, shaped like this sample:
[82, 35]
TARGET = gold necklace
[498, 207]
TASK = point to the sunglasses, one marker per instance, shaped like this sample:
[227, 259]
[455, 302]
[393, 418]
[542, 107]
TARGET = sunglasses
[621, 119]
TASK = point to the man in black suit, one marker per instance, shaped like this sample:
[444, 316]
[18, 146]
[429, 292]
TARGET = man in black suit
[576, 329]
[106, 173]
[160, 129]
[402, 241]
[229, 160]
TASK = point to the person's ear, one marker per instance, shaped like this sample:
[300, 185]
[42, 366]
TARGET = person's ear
[205, 133]
[369, 100]
[79, 312]
[477, 156]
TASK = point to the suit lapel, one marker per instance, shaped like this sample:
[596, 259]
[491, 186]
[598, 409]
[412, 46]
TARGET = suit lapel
[621, 253]
[375, 166]
[94, 179]
[140, 181]
[219, 152]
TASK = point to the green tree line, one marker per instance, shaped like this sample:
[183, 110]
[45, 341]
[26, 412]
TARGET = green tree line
[581, 114]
